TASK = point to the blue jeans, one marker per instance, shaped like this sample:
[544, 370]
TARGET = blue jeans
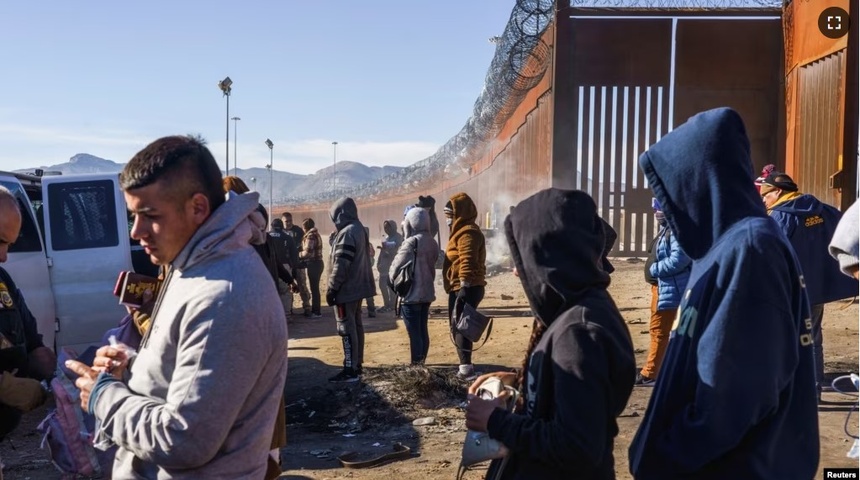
[415, 316]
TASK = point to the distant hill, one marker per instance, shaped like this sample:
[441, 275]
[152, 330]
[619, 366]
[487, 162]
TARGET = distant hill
[286, 184]
[81, 163]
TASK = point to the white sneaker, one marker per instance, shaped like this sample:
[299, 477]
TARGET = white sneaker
[467, 372]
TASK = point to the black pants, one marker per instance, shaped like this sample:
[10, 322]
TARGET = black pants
[415, 316]
[315, 270]
[473, 297]
[388, 296]
[351, 331]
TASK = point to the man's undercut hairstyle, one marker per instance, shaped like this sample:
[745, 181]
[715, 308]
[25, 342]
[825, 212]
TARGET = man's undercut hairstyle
[287, 215]
[182, 163]
[308, 223]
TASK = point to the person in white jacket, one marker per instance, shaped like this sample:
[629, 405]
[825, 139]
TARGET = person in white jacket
[421, 249]
[202, 395]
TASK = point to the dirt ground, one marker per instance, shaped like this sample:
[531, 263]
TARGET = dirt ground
[325, 420]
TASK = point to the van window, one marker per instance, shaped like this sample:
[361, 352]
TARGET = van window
[83, 215]
[28, 239]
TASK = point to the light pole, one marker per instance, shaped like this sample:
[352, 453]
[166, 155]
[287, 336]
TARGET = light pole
[271, 169]
[225, 86]
[235, 146]
[254, 183]
[334, 171]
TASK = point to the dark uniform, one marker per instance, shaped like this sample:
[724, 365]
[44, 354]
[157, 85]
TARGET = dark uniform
[18, 337]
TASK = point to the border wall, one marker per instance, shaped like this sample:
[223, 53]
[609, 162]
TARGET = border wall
[505, 169]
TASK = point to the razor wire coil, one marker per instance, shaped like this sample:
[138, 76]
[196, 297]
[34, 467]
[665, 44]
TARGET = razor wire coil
[518, 65]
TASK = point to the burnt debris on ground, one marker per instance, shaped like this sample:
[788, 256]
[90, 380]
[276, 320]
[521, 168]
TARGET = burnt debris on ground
[386, 397]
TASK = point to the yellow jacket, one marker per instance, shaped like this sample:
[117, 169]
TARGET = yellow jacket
[466, 252]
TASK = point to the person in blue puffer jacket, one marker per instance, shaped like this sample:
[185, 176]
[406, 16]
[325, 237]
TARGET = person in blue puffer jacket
[671, 268]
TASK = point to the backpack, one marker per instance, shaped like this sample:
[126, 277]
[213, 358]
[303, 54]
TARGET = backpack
[404, 276]
[68, 430]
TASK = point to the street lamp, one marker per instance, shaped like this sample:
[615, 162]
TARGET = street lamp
[225, 86]
[334, 170]
[254, 183]
[271, 169]
[235, 146]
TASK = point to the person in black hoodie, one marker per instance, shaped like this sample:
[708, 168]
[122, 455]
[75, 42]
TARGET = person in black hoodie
[735, 397]
[579, 367]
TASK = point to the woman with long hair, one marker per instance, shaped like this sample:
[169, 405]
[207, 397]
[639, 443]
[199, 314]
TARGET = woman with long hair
[579, 367]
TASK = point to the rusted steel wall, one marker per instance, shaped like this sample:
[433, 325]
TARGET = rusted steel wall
[512, 166]
[821, 104]
[614, 97]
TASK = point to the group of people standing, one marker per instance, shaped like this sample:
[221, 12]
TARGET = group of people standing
[351, 278]
[735, 396]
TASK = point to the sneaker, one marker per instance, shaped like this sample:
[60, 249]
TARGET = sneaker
[643, 381]
[316, 315]
[371, 314]
[347, 375]
[467, 372]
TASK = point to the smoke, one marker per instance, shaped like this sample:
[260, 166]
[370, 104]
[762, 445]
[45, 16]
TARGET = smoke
[493, 224]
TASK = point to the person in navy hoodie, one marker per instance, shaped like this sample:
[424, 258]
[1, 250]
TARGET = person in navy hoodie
[735, 397]
[809, 225]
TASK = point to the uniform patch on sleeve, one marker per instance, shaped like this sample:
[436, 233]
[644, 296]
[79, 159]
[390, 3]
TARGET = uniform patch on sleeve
[5, 297]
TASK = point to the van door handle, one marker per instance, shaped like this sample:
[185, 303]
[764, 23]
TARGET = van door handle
[50, 262]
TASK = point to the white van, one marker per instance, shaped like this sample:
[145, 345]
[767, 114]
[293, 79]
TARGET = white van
[74, 241]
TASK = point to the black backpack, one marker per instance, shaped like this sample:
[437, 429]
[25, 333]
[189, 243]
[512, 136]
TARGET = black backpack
[652, 257]
[404, 276]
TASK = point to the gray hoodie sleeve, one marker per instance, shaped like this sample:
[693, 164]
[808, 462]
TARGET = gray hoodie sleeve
[343, 253]
[403, 255]
[188, 428]
[844, 245]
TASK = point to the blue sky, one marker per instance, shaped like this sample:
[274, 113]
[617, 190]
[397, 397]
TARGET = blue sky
[390, 80]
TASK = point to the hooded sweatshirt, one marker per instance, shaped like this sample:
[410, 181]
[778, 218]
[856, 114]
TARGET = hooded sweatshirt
[581, 373]
[205, 387]
[390, 245]
[466, 252]
[809, 225]
[351, 276]
[421, 248]
[845, 242]
[429, 203]
[736, 393]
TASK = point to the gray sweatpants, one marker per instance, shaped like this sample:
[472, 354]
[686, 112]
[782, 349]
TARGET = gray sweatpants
[351, 331]
[818, 345]
[301, 276]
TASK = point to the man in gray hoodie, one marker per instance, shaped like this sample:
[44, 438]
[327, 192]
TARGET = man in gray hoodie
[350, 281]
[201, 397]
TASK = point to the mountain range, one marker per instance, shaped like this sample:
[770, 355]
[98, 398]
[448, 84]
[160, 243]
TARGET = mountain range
[286, 184]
